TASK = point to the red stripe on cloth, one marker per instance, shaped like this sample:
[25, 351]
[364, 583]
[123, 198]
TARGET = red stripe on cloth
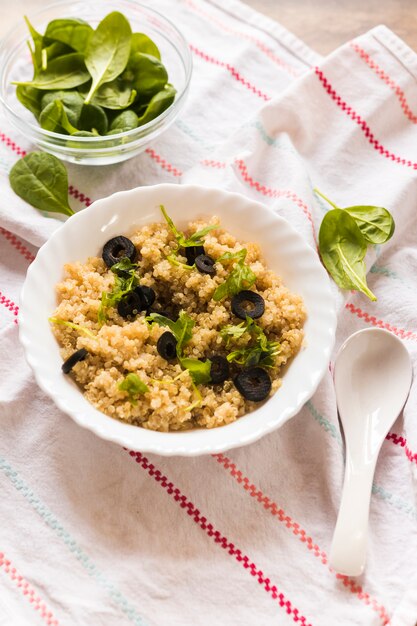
[258, 43]
[218, 538]
[275, 193]
[233, 71]
[78, 195]
[297, 531]
[371, 319]
[27, 590]
[210, 163]
[9, 305]
[400, 441]
[17, 243]
[11, 144]
[361, 123]
[387, 80]
[163, 162]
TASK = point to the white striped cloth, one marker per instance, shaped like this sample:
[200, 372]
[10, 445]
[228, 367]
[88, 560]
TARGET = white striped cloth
[93, 535]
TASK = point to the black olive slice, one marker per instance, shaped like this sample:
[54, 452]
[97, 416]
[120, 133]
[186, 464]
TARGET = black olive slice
[219, 370]
[248, 304]
[253, 383]
[192, 253]
[131, 305]
[205, 264]
[147, 294]
[167, 346]
[72, 360]
[118, 248]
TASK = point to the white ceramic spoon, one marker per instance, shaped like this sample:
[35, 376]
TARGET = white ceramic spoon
[372, 377]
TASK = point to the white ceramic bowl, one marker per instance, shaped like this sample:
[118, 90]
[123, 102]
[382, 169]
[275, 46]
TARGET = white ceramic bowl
[84, 234]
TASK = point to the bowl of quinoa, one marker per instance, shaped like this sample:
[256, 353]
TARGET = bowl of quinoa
[177, 319]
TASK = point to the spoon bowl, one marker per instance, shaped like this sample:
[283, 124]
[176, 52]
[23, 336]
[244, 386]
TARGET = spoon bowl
[372, 377]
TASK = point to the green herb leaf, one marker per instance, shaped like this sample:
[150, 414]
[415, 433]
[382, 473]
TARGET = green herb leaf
[260, 352]
[142, 43]
[133, 386]
[72, 102]
[36, 52]
[30, 98]
[42, 181]
[63, 72]
[342, 248]
[125, 281]
[116, 94]
[81, 329]
[147, 74]
[54, 118]
[181, 328]
[235, 331]
[239, 256]
[241, 277]
[72, 32]
[199, 370]
[126, 120]
[93, 118]
[108, 50]
[196, 239]
[376, 223]
[52, 51]
[157, 105]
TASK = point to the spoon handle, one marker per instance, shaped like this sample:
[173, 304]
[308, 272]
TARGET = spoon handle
[348, 551]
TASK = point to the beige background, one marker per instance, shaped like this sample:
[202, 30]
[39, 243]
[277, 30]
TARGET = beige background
[322, 24]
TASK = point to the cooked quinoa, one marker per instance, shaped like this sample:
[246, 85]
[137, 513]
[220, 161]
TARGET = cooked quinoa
[120, 346]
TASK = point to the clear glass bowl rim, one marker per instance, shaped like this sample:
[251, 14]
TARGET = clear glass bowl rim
[140, 130]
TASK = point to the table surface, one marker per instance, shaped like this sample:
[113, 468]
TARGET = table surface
[326, 24]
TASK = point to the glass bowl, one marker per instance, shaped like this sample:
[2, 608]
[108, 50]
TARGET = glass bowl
[15, 64]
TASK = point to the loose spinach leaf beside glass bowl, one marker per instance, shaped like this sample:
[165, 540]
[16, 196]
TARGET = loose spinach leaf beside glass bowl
[128, 59]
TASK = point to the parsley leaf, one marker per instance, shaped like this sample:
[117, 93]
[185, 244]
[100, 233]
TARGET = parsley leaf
[133, 386]
[125, 281]
[241, 277]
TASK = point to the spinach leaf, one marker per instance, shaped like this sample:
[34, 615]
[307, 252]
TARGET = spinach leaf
[199, 370]
[93, 118]
[36, 51]
[241, 277]
[72, 32]
[342, 248]
[30, 98]
[42, 181]
[72, 102]
[61, 73]
[52, 51]
[133, 386]
[157, 105]
[54, 118]
[117, 94]
[376, 223]
[126, 120]
[142, 43]
[108, 50]
[147, 75]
